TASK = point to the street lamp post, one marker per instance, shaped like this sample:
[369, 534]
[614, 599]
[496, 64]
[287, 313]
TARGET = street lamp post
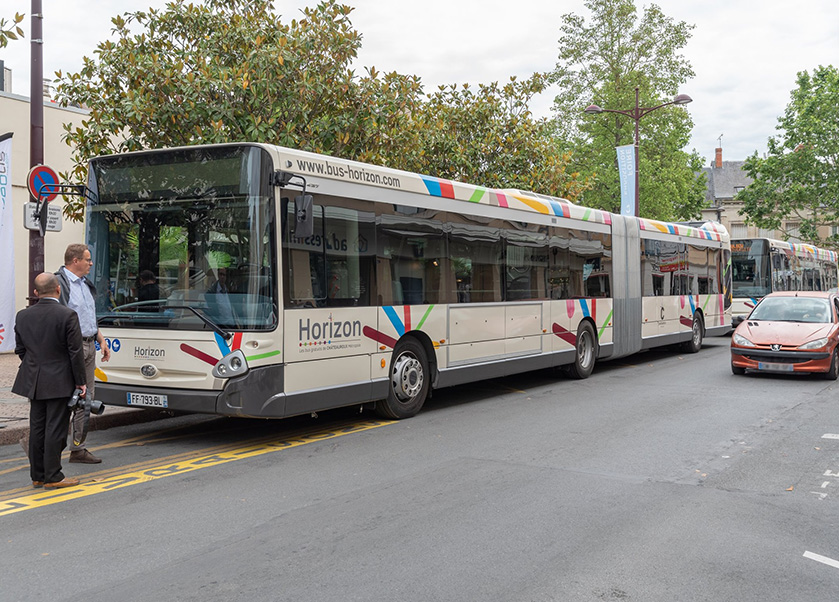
[636, 114]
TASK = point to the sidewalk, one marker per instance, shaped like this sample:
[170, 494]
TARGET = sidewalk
[14, 410]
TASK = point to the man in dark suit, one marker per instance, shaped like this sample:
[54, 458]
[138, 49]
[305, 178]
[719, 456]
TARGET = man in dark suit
[48, 341]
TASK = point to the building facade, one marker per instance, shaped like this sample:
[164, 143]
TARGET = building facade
[14, 119]
[725, 180]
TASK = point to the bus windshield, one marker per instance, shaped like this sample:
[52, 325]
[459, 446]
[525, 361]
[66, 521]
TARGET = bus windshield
[182, 235]
[751, 268]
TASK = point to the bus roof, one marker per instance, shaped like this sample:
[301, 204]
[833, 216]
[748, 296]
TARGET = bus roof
[354, 172]
[797, 249]
[384, 177]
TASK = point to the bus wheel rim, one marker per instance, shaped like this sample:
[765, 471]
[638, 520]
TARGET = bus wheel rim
[407, 377]
[586, 350]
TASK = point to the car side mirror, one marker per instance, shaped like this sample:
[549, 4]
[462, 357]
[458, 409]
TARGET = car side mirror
[737, 320]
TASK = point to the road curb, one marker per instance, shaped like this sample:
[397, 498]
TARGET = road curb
[112, 417]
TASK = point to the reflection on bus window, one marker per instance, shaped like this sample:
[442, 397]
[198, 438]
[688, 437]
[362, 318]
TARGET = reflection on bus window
[161, 245]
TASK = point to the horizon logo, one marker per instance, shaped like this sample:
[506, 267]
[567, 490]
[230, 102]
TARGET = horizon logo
[148, 353]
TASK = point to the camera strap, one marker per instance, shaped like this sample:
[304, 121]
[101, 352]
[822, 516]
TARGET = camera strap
[79, 438]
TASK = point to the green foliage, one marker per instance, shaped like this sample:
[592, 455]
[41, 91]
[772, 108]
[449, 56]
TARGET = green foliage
[230, 70]
[601, 63]
[10, 30]
[488, 137]
[799, 177]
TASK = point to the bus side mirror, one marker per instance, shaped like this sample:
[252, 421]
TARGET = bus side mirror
[303, 218]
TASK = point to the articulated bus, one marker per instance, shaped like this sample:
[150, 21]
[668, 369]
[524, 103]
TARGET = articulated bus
[762, 265]
[253, 280]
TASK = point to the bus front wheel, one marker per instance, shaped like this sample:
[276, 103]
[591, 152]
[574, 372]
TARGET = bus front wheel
[586, 352]
[409, 381]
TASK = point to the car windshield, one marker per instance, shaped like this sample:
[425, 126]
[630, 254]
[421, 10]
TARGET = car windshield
[792, 309]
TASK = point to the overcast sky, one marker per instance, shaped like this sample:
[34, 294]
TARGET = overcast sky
[745, 53]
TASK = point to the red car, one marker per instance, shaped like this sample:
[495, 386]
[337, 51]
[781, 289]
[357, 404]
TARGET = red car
[789, 332]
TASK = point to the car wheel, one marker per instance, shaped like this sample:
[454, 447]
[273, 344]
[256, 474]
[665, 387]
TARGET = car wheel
[737, 370]
[833, 372]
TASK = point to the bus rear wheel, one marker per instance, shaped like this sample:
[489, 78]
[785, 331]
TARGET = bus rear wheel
[409, 381]
[586, 352]
[696, 336]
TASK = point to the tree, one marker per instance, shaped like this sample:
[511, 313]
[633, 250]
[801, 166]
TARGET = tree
[10, 31]
[489, 137]
[231, 70]
[799, 177]
[602, 62]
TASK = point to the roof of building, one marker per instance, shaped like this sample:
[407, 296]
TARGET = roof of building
[725, 181]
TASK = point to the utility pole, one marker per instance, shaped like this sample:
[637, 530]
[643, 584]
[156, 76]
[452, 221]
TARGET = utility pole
[36, 132]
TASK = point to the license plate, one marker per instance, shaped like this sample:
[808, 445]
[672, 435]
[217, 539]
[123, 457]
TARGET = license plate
[149, 400]
[774, 367]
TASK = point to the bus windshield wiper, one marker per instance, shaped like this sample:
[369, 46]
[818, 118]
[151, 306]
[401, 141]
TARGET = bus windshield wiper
[204, 318]
[200, 314]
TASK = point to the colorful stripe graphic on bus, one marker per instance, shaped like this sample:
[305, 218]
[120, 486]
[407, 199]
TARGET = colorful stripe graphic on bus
[515, 199]
[400, 324]
[588, 308]
[225, 349]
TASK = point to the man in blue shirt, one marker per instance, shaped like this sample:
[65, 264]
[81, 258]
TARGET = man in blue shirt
[78, 293]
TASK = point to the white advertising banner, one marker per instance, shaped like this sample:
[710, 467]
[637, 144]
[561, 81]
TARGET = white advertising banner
[626, 169]
[7, 248]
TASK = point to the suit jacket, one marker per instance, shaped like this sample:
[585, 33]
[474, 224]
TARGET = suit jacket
[48, 341]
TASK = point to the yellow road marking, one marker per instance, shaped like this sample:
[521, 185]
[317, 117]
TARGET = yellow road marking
[180, 464]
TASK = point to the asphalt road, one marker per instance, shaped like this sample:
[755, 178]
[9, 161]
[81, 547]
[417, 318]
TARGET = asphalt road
[661, 477]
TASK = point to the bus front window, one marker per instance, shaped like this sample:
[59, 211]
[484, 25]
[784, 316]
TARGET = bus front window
[184, 229]
[751, 269]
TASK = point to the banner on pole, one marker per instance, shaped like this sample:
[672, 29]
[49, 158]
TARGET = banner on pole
[626, 169]
[7, 248]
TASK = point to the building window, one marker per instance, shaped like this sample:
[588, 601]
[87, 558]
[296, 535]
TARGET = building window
[739, 230]
[792, 230]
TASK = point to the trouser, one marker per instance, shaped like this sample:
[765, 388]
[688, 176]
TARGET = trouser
[89, 370]
[48, 422]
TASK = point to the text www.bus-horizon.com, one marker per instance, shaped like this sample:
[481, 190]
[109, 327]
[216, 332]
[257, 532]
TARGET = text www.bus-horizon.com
[347, 172]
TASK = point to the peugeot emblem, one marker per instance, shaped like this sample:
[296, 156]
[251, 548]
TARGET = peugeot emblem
[148, 370]
[776, 347]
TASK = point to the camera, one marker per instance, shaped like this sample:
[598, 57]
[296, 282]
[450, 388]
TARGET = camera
[77, 401]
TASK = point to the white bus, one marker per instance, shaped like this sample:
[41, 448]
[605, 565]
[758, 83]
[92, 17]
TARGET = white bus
[254, 280]
[763, 265]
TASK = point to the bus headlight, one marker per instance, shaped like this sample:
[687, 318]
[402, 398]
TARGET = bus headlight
[233, 364]
[817, 344]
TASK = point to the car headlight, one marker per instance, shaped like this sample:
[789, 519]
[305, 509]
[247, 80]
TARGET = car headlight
[817, 344]
[739, 339]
